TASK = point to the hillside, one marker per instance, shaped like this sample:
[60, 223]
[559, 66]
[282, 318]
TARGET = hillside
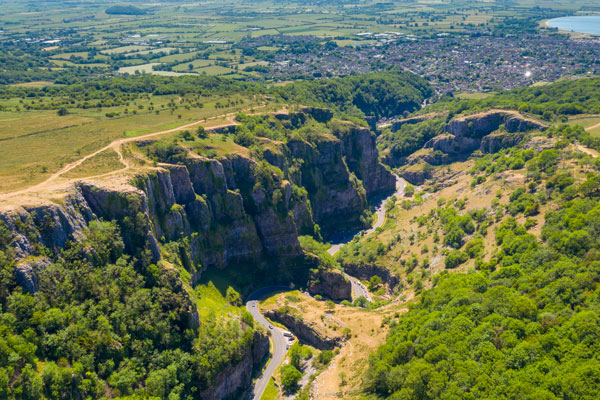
[494, 248]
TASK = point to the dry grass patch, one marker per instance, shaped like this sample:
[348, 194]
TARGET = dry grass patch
[365, 331]
[102, 163]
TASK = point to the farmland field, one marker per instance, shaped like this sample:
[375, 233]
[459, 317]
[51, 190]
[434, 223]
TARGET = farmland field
[215, 30]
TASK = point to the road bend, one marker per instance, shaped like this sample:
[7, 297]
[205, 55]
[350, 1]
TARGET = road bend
[280, 342]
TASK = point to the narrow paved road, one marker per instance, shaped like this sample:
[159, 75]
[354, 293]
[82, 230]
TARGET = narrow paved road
[357, 287]
[280, 342]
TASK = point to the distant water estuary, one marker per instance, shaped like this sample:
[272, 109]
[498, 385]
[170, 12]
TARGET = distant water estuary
[581, 24]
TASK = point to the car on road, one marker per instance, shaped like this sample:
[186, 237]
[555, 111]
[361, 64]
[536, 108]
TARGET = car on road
[270, 326]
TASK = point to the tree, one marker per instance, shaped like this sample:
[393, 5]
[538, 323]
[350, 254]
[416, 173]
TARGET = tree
[454, 237]
[455, 258]
[361, 302]
[233, 297]
[187, 135]
[201, 132]
[62, 111]
[290, 377]
[374, 282]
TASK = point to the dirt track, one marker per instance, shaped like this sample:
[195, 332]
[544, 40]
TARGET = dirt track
[589, 128]
[56, 181]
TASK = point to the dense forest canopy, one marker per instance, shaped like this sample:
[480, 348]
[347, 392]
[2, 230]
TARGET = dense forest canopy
[375, 96]
[563, 98]
[107, 322]
[124, 10]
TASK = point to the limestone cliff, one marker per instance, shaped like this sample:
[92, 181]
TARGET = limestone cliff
[366, 271]
[466, 134]
[233, 209]
[233, 379]
[487, 132]
[362, 158]
[305, 331]
[329, 283]
[334, 195]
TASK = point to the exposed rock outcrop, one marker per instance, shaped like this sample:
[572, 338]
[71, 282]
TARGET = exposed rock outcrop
[478, 131]
[362, 158]
[367, 271]
[337, 200]
[305, 331]
[330, 283]
[488, 132]
[340, 173]
[221, 206]
[26, 273]
[451, 144]
[319, 114]
[540, 143]
[429, 156]
[397, 124]
[482, 124]
[415, 174]
[495, 142]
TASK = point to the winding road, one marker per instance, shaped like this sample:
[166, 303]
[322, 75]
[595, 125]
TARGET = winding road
[280, 342]
[358, 289]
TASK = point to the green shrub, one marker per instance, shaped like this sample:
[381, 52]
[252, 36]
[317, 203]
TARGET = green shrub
[455, 258]
[474, 248]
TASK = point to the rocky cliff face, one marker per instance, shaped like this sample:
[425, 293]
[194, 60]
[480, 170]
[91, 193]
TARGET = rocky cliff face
[334, 196]
[362, 157]
[340, 174]
[229, 382]
[217, 206]
[230, 209]
[464, 135]
[397, 124]
[478, 131]
[367, 271]
[305, 331]
[330, 283]
[479, 125]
